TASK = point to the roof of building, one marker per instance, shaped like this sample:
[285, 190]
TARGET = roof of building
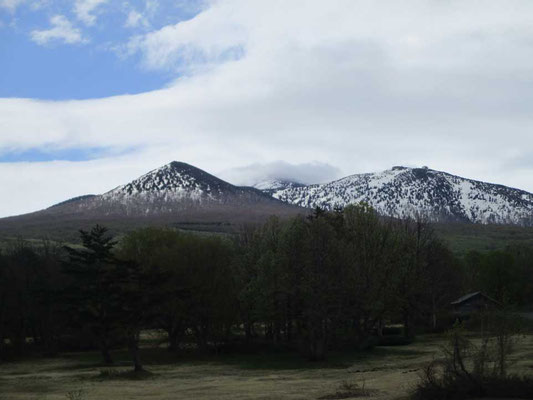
[470, 296]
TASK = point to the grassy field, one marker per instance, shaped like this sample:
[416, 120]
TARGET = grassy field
[385, 373]
[465, 237]
[460, 237]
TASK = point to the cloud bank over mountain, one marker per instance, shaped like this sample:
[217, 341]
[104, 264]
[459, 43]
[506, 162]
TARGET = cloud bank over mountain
[312, 172]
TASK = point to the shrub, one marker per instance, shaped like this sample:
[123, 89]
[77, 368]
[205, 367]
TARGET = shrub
[79, 394]
[469, 370]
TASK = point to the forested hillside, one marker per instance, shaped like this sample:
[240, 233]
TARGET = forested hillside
[328, 281]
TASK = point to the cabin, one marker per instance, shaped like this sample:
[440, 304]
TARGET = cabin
[473, 303]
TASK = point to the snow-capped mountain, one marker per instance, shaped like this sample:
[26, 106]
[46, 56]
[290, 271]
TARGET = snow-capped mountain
[270, 186]
[179, 194]
[175, 194]
[174, 181]
[178, 186]
[411, 192]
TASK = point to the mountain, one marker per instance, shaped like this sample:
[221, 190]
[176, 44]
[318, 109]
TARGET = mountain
[410, 192]
[178, 187]
[184, 196]
[177, 194]
[270, 186]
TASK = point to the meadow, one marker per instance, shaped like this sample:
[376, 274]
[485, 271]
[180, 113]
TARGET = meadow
[205, 317]
[384, 372]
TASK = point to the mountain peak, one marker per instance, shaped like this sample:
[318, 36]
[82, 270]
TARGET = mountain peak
[403, 168]
[178, 188]
[176, 179]
[399, 168]
[180, 166]
[411, 192]
[174, 194]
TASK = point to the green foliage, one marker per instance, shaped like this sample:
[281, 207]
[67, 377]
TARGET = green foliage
[505, 275]
[462, 238]
[28, 304]
[93, 293]
[193, 282]
[476, 368]
[328, 280]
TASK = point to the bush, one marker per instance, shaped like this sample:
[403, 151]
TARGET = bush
[76, 395]
[469, 371]
[460, 387]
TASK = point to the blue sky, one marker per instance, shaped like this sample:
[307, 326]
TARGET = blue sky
[94, 93]
[94, 64]
[92, 67]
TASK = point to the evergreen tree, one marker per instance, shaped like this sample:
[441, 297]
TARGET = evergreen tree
[93, 294]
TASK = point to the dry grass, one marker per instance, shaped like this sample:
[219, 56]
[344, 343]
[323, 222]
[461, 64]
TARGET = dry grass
[387, 373]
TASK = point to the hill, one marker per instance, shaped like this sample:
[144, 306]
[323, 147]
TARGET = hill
[177, 194]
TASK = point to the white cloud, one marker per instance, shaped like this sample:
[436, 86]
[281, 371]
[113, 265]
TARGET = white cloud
[135, 19]
[11, 5]
[37, 5]
[48, 183]
[310, 172]
[151, 6]
[361, 85]
[85, 10]
[212, 36]
[62, 30]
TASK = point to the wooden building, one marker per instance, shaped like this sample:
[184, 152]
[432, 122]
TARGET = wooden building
[473, 303]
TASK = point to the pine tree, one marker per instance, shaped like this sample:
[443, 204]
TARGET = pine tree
[93, 294]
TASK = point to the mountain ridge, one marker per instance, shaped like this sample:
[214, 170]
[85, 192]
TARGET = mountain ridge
[172, 195]
[179, 194]
[411, 192]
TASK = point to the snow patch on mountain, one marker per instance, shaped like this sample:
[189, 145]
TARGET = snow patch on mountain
[176, 188]
[173, 182]
[411, 192]
[272, 185]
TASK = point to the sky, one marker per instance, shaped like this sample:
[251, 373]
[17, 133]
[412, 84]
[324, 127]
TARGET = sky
[94, 93]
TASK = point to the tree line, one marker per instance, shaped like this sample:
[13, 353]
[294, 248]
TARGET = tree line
[328, 281]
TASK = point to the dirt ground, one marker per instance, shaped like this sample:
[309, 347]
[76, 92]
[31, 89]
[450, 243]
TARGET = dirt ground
[385, 373]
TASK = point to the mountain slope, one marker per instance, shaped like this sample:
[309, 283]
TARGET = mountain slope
[271, 186]
[177, 188]
[410, 192]
[174, 194]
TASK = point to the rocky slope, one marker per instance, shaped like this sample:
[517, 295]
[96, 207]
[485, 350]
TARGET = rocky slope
[411, 192]
[179, 194]
[174, 194]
